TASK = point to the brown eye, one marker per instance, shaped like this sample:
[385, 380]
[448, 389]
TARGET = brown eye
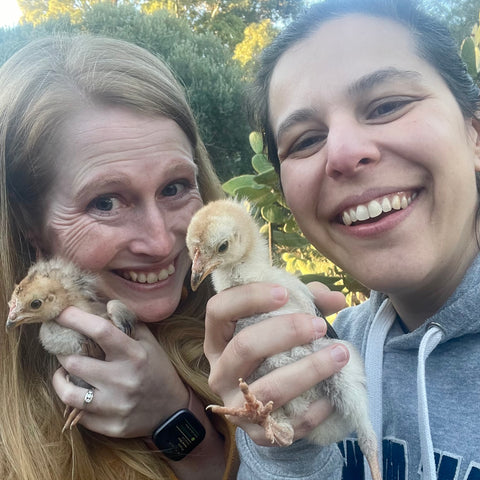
[36, 304]
[223, 247]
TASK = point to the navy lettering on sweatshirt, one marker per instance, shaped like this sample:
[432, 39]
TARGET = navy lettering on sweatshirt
[395, 461]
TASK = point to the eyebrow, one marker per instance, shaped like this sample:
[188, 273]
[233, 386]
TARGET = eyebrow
[357, 88]
[116, 180]
[102, 184]
[371, 80]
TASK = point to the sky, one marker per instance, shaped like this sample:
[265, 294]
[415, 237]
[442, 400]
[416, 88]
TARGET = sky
[9, 13]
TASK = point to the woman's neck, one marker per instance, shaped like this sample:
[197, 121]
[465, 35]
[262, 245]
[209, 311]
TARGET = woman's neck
[415, 306]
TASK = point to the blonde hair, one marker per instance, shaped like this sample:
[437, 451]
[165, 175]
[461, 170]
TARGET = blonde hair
[40, 87]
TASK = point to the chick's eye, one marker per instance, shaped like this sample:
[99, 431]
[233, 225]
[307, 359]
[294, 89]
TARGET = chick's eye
[223, 247]
[36, 304]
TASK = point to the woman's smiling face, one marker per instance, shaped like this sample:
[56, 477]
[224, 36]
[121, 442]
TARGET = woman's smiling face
[122, 200]
[377, 161]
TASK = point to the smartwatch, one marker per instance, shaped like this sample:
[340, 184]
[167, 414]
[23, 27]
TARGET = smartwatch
[179, 435]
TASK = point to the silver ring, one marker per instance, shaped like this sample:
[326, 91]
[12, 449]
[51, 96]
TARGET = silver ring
[88, 397]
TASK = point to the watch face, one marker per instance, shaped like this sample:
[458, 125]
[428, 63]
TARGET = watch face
[179, 435]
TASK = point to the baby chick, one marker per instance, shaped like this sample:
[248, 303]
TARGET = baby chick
[49, 287]
[223, 240]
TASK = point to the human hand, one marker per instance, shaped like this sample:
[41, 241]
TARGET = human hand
[136, 386]
[237, 357]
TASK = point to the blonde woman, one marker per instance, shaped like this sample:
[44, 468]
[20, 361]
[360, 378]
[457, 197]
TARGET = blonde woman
[101, 163]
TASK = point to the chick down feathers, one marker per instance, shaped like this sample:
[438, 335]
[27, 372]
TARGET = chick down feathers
[224, 240]
[49, 287]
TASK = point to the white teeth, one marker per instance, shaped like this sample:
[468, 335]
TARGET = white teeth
[346, 218]
[150, 277]
[386, 205]
[362, 213]
[396, 202]
[353, 215]
[162, 275]
[376, 207]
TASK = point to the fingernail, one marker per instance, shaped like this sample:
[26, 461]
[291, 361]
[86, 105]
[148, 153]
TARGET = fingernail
[319, 327]
[279, 293]
[339, 354]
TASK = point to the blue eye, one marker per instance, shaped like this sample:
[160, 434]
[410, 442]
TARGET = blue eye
[105, 203]
[173, 189]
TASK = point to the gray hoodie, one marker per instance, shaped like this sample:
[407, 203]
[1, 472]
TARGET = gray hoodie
[424, 392]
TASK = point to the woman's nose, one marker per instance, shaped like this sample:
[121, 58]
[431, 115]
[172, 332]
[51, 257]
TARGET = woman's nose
[152, 233]
[350, 148]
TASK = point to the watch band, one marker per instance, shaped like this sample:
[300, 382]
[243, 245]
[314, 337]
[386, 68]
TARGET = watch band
[178, 435]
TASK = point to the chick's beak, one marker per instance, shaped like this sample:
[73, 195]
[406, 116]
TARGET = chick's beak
[201, 268]
[16, 317]
[11, 320]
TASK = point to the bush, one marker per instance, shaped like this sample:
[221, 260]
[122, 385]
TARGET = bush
[212, 79]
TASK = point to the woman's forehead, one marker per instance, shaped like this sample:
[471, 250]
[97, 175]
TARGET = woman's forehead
[344, 55]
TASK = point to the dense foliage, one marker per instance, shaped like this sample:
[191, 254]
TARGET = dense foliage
[213, 80]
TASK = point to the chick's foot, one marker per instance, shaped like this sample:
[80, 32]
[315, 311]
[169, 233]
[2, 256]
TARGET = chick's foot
[256, 412]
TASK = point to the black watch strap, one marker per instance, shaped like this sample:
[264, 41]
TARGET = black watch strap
[179, 435]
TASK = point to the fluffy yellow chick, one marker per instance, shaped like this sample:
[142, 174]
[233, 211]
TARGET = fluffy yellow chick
[49, 287]
[224, 240]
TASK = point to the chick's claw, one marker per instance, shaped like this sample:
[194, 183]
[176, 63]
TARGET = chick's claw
[74, 416]
[257, 412]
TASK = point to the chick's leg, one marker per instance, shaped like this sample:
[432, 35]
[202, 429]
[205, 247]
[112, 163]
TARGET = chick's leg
[73, 415]
[368, 445]
[259, 413]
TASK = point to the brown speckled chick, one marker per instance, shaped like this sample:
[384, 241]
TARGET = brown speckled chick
[223, 240]
[49, 287]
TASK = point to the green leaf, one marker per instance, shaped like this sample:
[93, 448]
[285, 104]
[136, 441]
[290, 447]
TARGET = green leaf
[256, 142]
[269, 177]
[260, 195]
[289, 239]
[290, 225]
[468, 56]
[241, 181]
[274, 214]
[260, 163]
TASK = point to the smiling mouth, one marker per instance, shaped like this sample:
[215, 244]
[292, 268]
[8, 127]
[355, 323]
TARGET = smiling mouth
[378, 208]
[147, 277]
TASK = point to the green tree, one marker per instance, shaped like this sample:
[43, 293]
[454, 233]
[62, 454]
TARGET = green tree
[256, 37]
[213, 80]
[225, 18]
[459, 15]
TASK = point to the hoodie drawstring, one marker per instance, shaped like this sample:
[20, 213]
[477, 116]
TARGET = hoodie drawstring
[430, 340]
[381, 324]
[379, 329]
